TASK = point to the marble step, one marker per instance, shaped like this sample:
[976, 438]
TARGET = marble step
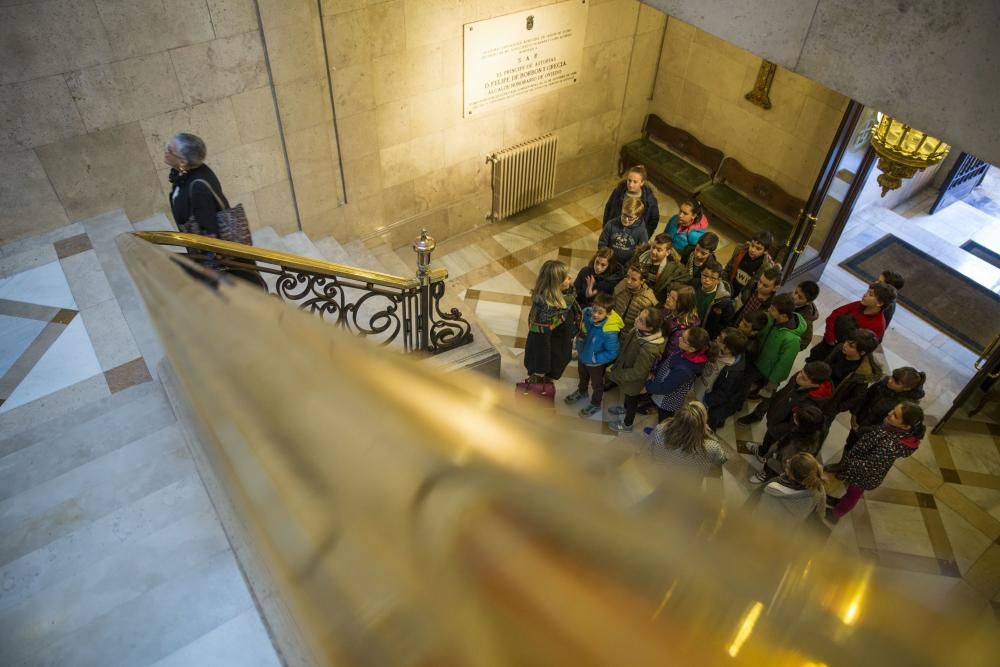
[300, 244]
[103, 231]
[267, 238]
[362, 257]
[393, 263]
[27, 253]
[157, 223]
[332, 251]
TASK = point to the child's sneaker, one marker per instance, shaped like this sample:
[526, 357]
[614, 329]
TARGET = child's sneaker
[759, 478]
[754, 448]
[621, 427]
[617, 409]
[647, 430]
[589, 410]
[575, 396]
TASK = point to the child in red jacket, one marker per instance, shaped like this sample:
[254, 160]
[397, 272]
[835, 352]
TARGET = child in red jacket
[863, 314]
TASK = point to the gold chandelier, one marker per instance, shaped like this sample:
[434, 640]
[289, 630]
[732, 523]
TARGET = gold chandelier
[903, 151]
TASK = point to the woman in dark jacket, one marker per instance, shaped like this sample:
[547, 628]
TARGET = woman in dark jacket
[191, 196]
[634, 185]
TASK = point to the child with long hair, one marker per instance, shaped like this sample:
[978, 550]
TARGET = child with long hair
[685, 440]
[680, 313]
[552, 323]
[798, 493]
[865, 467]
[687, 225]
[674, 377]
[634, 186]
[904, 384]
[600, 276]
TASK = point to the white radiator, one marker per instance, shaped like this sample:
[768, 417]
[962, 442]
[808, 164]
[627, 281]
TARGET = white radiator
[523, 175]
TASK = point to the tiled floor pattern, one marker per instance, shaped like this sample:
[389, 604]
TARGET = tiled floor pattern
[934, 526]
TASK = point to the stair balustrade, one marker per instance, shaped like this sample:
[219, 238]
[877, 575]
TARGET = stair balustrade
[384, 308]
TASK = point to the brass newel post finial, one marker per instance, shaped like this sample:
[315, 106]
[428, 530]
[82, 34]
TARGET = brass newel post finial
[761, 93]
[423, 246]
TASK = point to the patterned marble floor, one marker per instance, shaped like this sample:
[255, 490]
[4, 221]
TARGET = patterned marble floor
[933, 527]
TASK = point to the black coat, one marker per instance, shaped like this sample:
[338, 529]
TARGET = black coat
[879, 401]
[604, 283]
[188, 198]
[727, 394]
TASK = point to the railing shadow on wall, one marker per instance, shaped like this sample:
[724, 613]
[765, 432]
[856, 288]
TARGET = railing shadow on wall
[407, 516]
[383, 308]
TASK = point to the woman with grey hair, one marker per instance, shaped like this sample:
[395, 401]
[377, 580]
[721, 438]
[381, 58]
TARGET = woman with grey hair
[192, 198]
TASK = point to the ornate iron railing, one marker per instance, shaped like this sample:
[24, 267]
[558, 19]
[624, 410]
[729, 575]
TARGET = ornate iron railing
[379, 306]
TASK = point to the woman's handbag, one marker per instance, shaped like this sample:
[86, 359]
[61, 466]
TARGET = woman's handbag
[542, 390]
[233, 224]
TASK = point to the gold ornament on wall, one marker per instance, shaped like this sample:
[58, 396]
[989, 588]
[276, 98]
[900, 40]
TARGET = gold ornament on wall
[761, 93]
[903, 151]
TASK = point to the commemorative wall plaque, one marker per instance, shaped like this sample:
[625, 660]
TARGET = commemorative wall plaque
[512, 58]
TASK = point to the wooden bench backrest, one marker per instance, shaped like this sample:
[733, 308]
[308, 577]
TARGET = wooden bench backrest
[683, 143]
[763, 191]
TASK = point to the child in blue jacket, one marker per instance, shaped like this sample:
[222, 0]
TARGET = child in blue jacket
[596, 349]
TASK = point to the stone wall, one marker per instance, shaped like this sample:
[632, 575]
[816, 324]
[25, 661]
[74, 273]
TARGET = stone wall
[701, 85]
[411, 160]
[90, 91]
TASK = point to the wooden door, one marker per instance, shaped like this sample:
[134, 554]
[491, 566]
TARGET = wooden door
[967, 172]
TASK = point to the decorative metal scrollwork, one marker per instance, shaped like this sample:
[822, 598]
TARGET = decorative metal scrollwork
[447, 330]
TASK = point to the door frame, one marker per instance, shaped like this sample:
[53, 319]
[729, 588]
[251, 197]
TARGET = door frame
[806, 224]
[987, 368]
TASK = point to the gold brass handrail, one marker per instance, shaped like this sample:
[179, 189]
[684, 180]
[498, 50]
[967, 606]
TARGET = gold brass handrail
[253, 253]
[406, 516]
[382, 307]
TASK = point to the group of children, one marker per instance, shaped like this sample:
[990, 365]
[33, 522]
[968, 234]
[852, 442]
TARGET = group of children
[674, 324]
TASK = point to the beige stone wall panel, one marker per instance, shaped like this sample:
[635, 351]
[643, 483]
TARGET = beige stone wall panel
[141, 27]
[468, 214]
[642, 68]
[404, 162]
[677, 44]
[281, 12]
[632, 119]
[437, 110]
[125, 91]
[275, 208]
[317, 191]
[433, 190]
[220, 68]
[42, 39]
[250, 167]
[468, 178]
[574, 172]
[303, 104]
[212, 121]
[355, 37]
[399, 202]
[650, 20]
[34, 113]
[611, 20]
[294, 53]
[358, 136]
[255, 114]
[432, 21]
[473, 137]
[103, 170]
[309, 149]
[30, 205]
[353, 90]
[531, 119]
[232, 17]
[361, 218]
[393, 123]
[363, 177]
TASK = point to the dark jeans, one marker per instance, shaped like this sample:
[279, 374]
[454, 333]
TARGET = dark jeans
[662, 414]
[631, 405]
[593, 375]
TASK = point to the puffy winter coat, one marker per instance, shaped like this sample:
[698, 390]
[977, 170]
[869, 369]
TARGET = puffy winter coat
[778, 347]
[686, 236]
[724, 398]
[789, 399]
[636, 357]
[600, 344]
[869, 461]
[651, 209]
[629, 304]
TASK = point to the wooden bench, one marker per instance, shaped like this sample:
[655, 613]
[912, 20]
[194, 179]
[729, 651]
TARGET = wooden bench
[749, 202]
[684, 168]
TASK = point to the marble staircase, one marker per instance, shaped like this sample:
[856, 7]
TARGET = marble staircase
[112, 551]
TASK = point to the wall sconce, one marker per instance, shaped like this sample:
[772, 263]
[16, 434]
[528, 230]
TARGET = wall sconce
[903, 151]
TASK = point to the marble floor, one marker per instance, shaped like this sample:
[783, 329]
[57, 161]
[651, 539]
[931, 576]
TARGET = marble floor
[933, 528]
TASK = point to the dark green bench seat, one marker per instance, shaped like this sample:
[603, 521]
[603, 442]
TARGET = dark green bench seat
[683, 170]
[750, 203]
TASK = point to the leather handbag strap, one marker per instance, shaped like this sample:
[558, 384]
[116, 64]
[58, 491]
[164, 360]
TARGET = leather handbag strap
[223, 204]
